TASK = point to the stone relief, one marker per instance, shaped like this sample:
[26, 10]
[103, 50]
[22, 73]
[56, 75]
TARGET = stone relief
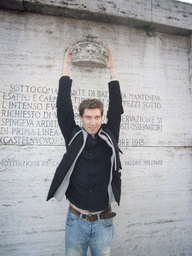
[89, 54]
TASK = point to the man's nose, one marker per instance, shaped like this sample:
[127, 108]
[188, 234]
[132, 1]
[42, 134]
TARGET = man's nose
[92, 121]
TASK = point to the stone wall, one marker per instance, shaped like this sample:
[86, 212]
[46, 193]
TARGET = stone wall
[154, 69]
[170, 16]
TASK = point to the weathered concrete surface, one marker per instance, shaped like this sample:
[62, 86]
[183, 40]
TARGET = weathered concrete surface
[190, 60]
[172, 13]
[155, 76]
[151, 15]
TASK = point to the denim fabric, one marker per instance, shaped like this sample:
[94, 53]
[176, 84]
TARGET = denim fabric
[81, 234]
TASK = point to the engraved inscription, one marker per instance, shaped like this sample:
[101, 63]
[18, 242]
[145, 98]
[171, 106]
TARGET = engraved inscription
[28, 115]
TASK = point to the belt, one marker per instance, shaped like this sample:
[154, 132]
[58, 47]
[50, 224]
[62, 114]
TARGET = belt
[106, 214]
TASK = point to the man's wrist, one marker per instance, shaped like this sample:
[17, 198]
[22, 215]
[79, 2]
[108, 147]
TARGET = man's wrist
[114, 77]
[65, 70]
[113, 74]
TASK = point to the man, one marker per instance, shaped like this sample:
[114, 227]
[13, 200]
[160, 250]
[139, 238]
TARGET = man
[89, 173]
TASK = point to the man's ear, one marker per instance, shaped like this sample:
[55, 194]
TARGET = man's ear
[80, 118]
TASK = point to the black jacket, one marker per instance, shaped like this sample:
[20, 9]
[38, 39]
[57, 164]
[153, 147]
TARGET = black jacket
[75, 138]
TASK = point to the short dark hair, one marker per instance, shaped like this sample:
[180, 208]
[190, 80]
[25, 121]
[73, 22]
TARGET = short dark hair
[90, 104]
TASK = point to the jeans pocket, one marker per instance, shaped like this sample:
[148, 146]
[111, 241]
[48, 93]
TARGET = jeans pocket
[71, 219]
[107, 222]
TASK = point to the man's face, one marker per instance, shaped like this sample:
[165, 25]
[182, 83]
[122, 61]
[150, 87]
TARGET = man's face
[91, 120]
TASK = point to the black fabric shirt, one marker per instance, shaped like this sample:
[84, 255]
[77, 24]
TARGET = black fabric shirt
[88, 187]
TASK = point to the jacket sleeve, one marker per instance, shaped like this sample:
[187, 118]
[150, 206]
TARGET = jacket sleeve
[115, 109]
[65, 114]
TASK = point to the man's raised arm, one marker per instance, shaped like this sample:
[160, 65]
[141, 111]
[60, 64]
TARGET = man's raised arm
[65, 113]
[67, 62]
[111, 65]
[115, 101]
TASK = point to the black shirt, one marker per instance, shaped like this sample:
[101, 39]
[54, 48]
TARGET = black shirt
[88, 187]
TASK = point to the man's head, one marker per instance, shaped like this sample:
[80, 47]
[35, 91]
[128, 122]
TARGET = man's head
[91, 113]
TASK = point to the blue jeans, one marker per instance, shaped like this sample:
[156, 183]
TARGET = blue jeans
[81, 234]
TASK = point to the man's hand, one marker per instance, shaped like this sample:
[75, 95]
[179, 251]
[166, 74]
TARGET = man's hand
[67, 62]
[111, 65]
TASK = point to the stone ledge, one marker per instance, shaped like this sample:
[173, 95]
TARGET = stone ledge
[170, 16]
